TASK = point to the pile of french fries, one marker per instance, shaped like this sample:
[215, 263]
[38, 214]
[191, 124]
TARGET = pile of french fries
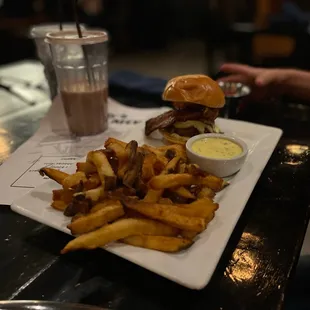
[142, 196]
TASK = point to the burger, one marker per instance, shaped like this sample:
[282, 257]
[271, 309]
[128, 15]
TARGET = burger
[197, 100]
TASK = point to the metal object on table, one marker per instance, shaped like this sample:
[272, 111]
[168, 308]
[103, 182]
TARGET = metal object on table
[43, 305]
[233, 93]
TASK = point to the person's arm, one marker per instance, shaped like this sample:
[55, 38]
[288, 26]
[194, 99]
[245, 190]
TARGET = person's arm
[289, 82]
[297, 84]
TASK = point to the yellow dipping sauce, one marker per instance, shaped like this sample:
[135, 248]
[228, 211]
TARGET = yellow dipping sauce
[217, 148]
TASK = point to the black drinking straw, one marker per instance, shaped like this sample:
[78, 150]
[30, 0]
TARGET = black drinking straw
[78, 27]
[61, 14]
[76, 18]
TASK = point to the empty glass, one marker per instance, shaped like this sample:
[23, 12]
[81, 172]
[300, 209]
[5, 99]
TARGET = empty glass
[38, 33]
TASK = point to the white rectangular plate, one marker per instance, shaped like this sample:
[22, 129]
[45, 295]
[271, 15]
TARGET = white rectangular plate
[193, 267]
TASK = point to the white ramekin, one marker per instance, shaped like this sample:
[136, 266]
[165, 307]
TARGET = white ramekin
[218, 167]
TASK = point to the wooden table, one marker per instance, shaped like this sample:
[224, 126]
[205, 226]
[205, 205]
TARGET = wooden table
[253, 273]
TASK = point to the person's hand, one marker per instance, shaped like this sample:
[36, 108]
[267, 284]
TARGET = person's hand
[265, 83]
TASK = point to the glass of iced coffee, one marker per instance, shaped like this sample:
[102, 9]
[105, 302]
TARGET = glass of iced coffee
[81, 70]
[38, 33]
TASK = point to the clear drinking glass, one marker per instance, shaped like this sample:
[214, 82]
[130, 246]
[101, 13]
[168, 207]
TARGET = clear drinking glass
[38, 33]
[82, 76]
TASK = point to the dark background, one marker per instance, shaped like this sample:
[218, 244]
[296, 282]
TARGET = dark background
[165, 38]
[237, 30]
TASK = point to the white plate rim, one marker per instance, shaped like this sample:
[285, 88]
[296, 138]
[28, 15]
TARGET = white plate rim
[274, 136]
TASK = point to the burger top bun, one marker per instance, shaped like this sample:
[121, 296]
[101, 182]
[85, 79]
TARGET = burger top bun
[194, 88]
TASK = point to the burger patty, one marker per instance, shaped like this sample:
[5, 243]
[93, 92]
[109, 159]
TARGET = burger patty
[170, 117]
[211, 114]
[186, 132]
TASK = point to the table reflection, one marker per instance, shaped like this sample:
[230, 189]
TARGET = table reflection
[295, 154]
[244, 261]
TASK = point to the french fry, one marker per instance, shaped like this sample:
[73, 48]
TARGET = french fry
[160, 155]
[93, 194]
[201, 208]
[195, 189]
[86, 167]
[172, 166]
[92, 182]
[105, 171]
[112, 158]
[76, 217]
[77, 206]
[119, 230]
[171, 215]
[97, 219]
[182, 168]
[155, 185]
[54, 174]
[192, 234]
[172, 180]
[98, 206]
[201, 203]
[165, 201]
[103, 204]
[59, 205]
[57, 193]
[159, 243]
[148, 166]
[170, 153]
[65, 195]
[176, 149]
[121, 192]
[74, 180]
[154, 195]
[159, 164]
[215, 183]
[206, 192]
[194, 170]
[209, 215]
[188, 234]
[114, 141]
[185, 179]
[134, 214]
[152, 150]
[119, 151]
[183, 192]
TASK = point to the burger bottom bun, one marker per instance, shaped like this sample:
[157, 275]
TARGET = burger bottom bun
[173, 137]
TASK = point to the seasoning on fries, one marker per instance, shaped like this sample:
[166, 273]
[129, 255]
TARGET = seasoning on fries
[142, 196]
